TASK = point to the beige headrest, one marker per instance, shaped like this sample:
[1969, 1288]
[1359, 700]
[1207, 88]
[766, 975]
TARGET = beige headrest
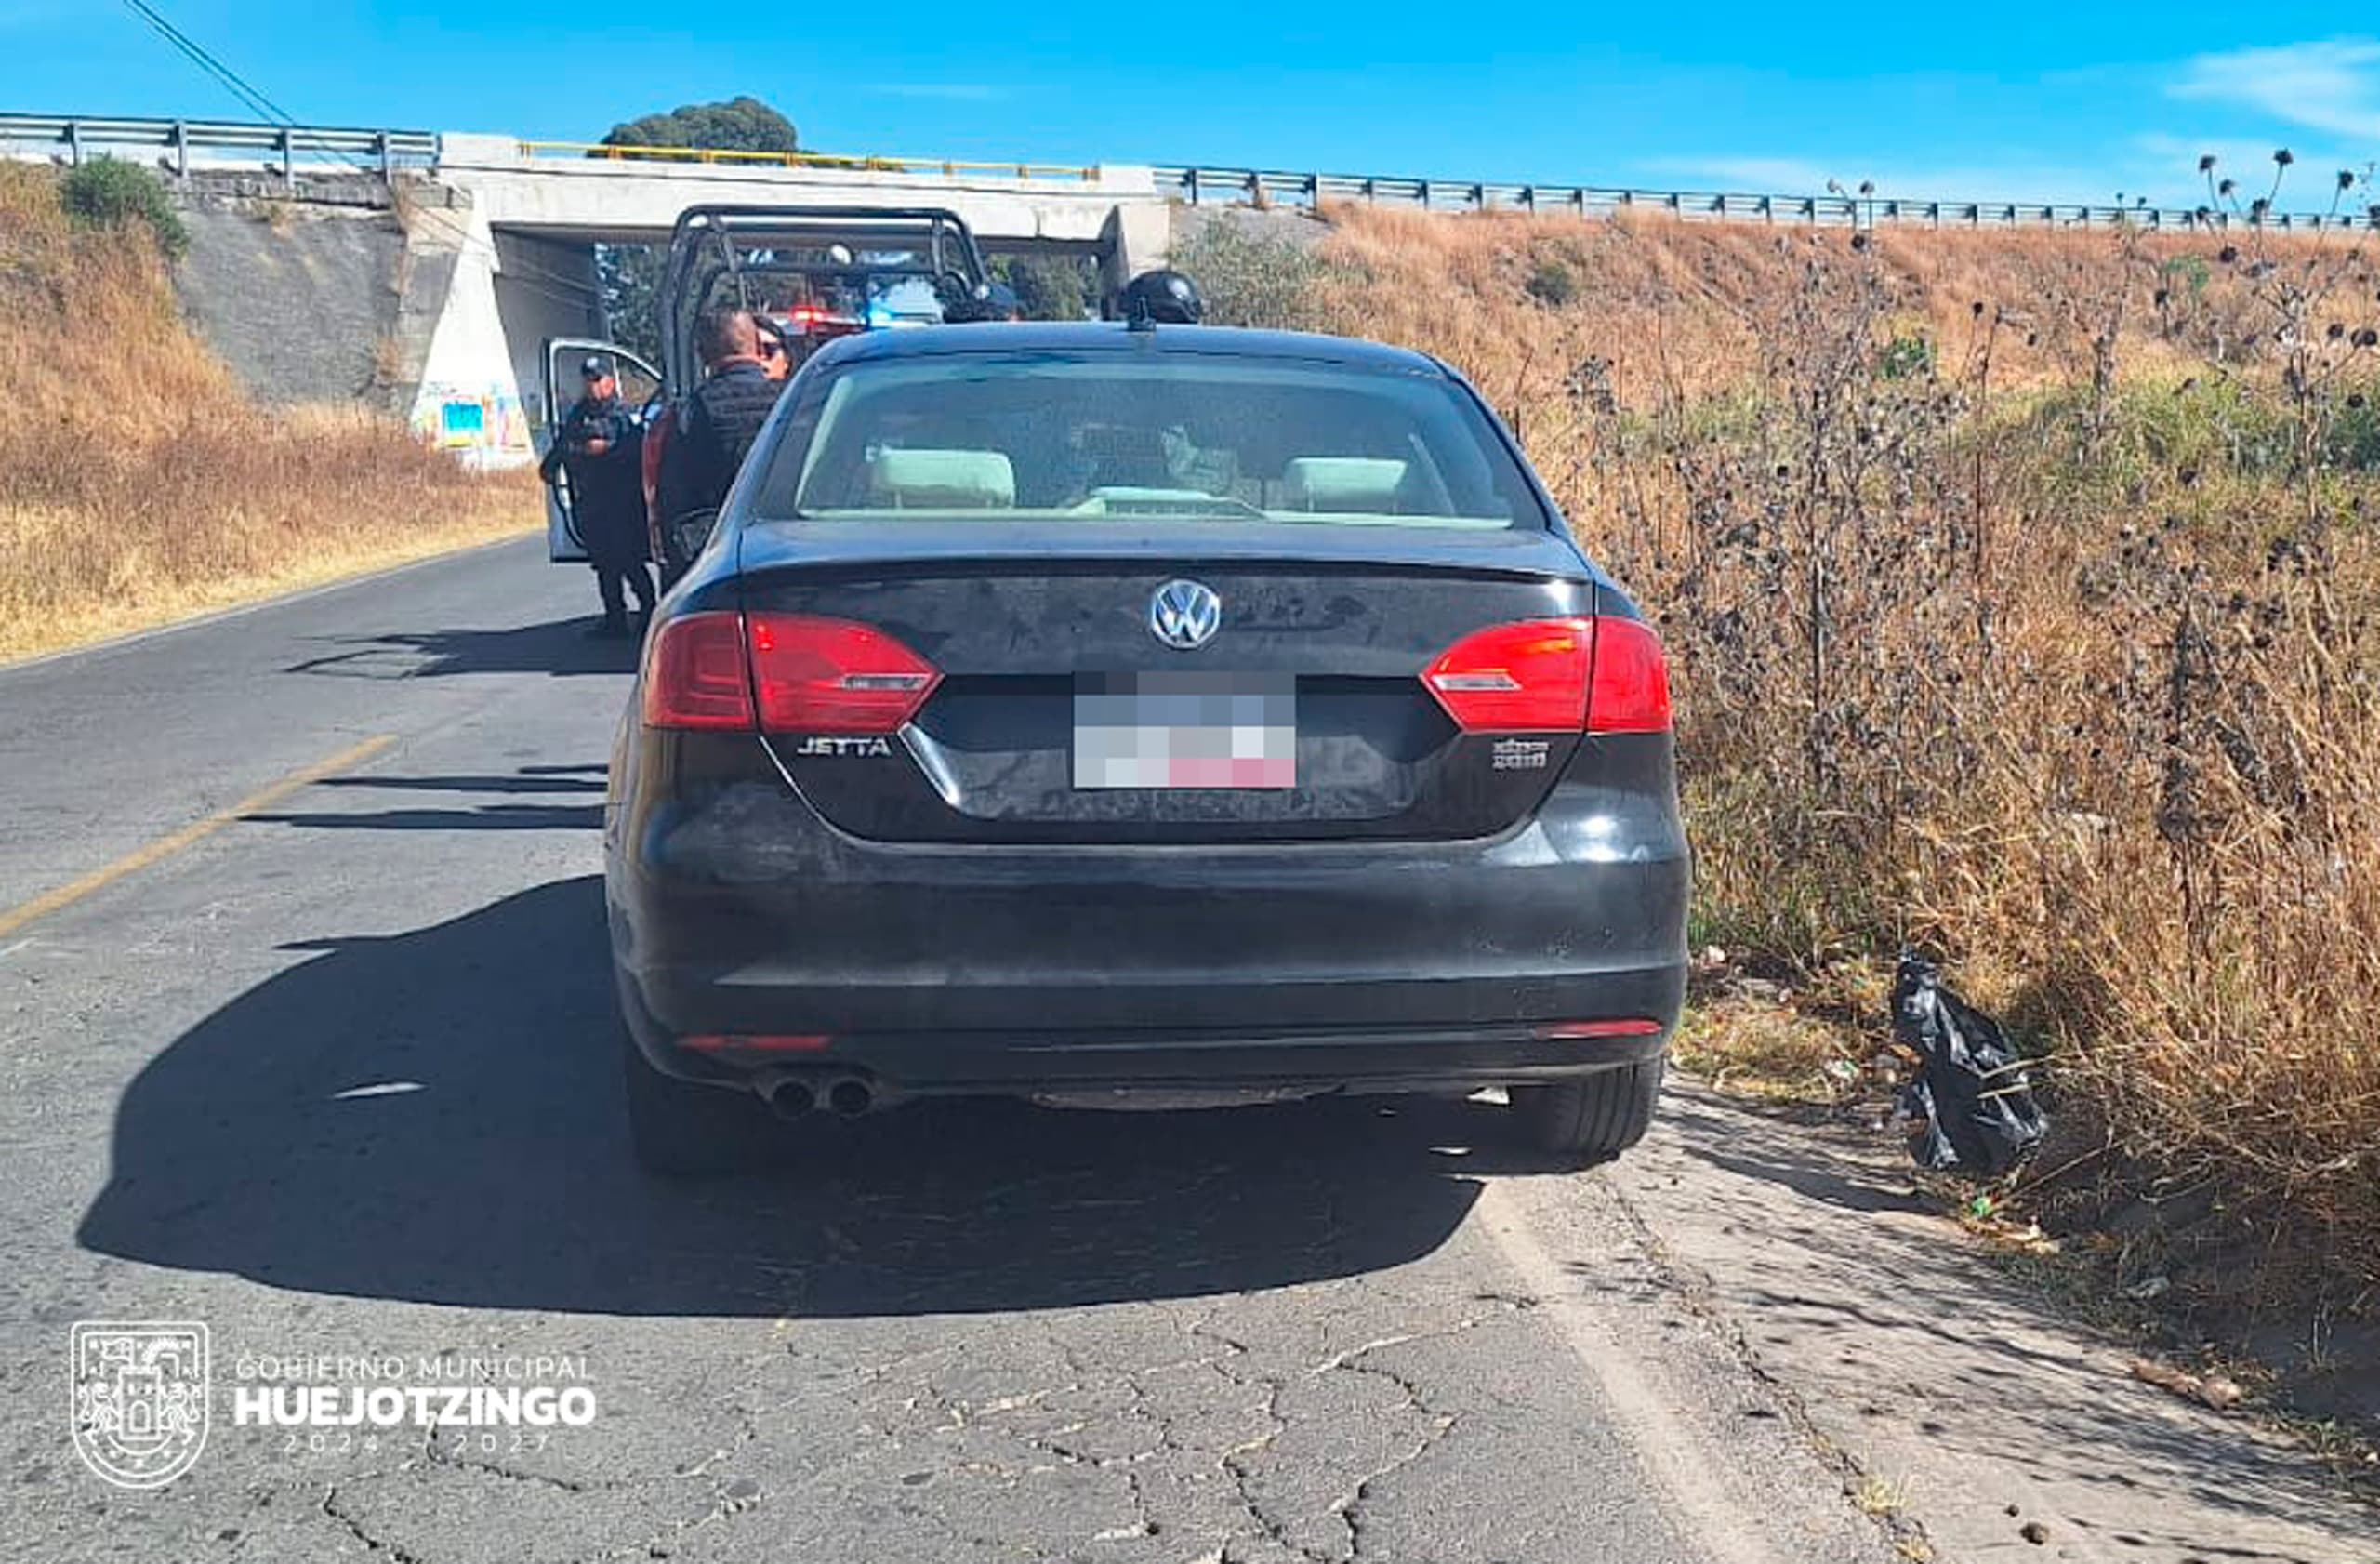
[911, 480]
[1367, 483]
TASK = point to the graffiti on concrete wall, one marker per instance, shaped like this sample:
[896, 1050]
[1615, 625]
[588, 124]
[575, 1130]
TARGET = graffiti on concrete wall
[481, 424]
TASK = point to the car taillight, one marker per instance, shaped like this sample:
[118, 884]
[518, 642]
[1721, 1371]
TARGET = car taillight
[1529, 677]
[1586, 1032]
[1603, 675]
[696, 677]
[768, 1042]
[1631, 681]
[782, 673]
[831, 676]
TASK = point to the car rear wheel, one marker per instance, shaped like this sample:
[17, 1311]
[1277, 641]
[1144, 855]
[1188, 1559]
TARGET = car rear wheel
[683, 1128]
[1592, 1119]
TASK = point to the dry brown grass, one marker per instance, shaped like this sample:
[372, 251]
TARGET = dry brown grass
[2024, 603]
[140, 484]
[1766, 1048]
[1675, 309]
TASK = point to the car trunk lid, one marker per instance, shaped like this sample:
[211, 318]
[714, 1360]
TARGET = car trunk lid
[1054, 681]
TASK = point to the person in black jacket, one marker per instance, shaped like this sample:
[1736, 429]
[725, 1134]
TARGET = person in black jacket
[719, 422]
[599, 445]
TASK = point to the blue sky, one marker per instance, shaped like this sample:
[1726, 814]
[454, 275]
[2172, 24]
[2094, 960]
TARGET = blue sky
[2022, 100]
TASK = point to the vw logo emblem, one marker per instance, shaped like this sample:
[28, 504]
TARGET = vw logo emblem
[1185, 615]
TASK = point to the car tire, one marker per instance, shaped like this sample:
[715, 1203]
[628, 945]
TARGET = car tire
[682, 1128]
[1594, 1118]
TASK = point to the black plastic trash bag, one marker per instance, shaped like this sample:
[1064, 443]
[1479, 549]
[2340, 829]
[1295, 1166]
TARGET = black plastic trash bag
[1973, 1097]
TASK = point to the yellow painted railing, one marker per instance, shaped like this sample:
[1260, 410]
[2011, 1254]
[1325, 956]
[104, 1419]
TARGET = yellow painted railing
[805, 160]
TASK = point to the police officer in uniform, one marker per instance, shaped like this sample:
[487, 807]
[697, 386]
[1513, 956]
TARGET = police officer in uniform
[599, 445]
[719, 422]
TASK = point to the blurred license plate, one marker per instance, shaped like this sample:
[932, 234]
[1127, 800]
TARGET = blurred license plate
[1185, 730]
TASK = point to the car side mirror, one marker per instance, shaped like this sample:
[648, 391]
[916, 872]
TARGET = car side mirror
[689, 533]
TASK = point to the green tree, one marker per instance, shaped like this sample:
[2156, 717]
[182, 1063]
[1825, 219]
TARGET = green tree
[628, 276]
[1249, 275]
[744, 125]
[1048, 288]
[109, 192]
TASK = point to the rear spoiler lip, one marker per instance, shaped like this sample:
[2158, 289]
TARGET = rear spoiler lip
[928, 548]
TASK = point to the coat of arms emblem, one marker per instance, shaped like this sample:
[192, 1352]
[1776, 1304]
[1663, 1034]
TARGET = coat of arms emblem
[140, 1399]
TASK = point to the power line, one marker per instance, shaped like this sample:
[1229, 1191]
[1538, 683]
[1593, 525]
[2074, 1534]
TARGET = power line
[199, 55]
[207, 60]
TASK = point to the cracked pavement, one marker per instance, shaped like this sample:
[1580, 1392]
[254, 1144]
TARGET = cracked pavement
[338, 1078]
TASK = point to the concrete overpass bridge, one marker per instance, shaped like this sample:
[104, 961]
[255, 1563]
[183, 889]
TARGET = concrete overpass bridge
[531, 213]
[499, 232]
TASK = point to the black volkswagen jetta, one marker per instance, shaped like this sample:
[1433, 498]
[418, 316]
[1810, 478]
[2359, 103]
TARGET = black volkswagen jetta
[1141, 717]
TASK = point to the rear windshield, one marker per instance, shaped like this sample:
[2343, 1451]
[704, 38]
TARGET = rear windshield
[1044, 436]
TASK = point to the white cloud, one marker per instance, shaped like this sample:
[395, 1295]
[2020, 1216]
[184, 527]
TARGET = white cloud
[1781, 176]
[1763, 175]
[2179, 155]
[2174, 159]
[2332, 87]
[942, 92]
[2322, 99]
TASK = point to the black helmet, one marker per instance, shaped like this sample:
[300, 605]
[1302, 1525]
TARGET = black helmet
[1162, 297]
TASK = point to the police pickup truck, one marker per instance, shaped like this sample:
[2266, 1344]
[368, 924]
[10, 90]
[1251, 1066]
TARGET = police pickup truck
[808, 274]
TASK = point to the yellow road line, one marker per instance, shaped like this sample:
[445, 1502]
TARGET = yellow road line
[166, 846]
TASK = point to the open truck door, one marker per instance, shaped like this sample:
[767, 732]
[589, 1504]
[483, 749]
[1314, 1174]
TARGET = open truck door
[640, 390]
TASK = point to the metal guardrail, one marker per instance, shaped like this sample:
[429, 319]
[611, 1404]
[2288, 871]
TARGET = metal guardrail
[1200, 186]
[185, 143]
[869, 164]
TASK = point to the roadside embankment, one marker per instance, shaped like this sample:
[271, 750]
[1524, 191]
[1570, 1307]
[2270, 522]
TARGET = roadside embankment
[139, 484]
[2019, 590]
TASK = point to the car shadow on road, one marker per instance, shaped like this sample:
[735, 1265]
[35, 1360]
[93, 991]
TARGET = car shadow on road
[528, 779]
[435, 1116]
[560, 648]
[482, 817]
[586, 813]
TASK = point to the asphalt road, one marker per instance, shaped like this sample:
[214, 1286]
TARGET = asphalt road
[324, 1062]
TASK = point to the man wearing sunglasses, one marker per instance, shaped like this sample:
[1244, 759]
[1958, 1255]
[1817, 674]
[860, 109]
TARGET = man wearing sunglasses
[776, 356]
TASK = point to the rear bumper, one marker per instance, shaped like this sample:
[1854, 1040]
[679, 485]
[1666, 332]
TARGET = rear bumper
[1252, 1060]
[737, 911]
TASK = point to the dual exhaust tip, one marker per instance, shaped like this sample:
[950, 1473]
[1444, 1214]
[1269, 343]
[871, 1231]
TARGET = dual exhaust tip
[796, 1096]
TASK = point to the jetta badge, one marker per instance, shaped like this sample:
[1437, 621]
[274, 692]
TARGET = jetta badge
[1185, 615]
